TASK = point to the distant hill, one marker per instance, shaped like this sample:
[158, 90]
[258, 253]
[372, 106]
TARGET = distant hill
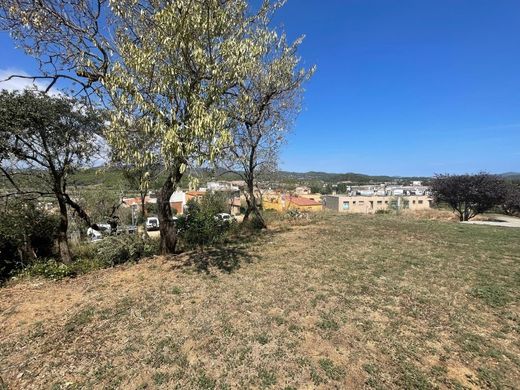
[511, 176]
[112, 178]
[331, 178]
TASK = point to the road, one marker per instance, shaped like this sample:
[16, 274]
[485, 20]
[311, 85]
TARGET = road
[500, 220]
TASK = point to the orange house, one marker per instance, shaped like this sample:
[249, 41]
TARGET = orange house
[288, 202]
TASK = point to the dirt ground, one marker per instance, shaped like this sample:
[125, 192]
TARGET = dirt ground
[496, 220]
[340, 302]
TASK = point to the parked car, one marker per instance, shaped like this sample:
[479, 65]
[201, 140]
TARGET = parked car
[94, 235]
[225, 218]
[152, 223]
[126, 229]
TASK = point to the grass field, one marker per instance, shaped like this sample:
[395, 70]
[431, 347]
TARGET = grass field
[341, 302]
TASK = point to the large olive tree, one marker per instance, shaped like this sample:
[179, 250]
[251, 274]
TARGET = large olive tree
[180, 66]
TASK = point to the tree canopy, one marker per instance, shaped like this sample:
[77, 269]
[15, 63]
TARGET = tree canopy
[469, 195]
[43, 140]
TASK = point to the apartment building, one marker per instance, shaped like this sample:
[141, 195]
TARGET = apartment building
[371, 204]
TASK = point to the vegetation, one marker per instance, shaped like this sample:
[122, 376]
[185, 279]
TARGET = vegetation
[511, 203]
[26, 233]
[469, 195]
[199, 227]
[268, 100]
[369, 302]
[47, 138]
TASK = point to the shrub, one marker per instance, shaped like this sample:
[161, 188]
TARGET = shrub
[84, 250]
[48, 268]
[198, 227]
[26, 233]
[151, 247]
[120, 249]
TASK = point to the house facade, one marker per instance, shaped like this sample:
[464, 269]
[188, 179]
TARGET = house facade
[372, 203]
[285, 202]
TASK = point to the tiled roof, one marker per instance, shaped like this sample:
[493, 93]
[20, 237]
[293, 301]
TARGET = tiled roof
[298, 201]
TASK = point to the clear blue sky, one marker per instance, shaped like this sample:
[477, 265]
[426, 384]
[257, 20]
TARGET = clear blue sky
[408, 87]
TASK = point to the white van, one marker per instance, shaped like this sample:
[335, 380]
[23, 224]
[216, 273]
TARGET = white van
[152, 223]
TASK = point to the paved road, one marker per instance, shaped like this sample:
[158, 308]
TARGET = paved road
[501, 220]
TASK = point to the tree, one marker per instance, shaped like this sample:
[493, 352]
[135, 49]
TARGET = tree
[179, 66]
[167, 69]
[469, 195]
[342, 188]
[266, 103]
[44, 139]
[71, 39]
[511, 204]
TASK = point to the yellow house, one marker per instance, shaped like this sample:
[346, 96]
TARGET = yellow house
[287, 202]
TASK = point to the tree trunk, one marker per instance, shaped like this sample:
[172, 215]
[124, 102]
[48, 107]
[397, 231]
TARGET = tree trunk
[63, 241]
[252, 206]
[167, 227]
[143, 215]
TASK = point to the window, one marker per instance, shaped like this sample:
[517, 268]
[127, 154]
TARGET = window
[386, 202]
[346, 205]
[353, 202]
[379, 202]
[361, 202]
[420, 202]
[413, 202]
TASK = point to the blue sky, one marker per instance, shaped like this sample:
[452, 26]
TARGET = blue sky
[402, 87]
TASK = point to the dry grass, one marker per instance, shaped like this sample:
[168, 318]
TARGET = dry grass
[340, 302]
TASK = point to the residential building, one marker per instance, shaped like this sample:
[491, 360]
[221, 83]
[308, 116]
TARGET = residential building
[178, 201]
[372, 203]
[285, 202]
[129, 202]
[302, 190]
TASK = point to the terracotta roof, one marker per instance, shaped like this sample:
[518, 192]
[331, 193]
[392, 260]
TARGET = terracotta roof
[137, 200]
[301, 201]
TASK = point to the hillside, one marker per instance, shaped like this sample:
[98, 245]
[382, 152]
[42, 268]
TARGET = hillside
[369, 302]
[111, 177]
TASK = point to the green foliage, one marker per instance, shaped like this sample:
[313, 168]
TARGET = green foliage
[469, 195]
[26, 233]
[89, 257]
[198, 227]
[214, 203]
[48, 268]
[120, 249]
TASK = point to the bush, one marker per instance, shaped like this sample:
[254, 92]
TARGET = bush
[48, 268]
[26, 233]
[198, 227]
[120, 249]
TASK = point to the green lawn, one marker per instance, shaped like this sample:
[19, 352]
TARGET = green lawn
[341, 302]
